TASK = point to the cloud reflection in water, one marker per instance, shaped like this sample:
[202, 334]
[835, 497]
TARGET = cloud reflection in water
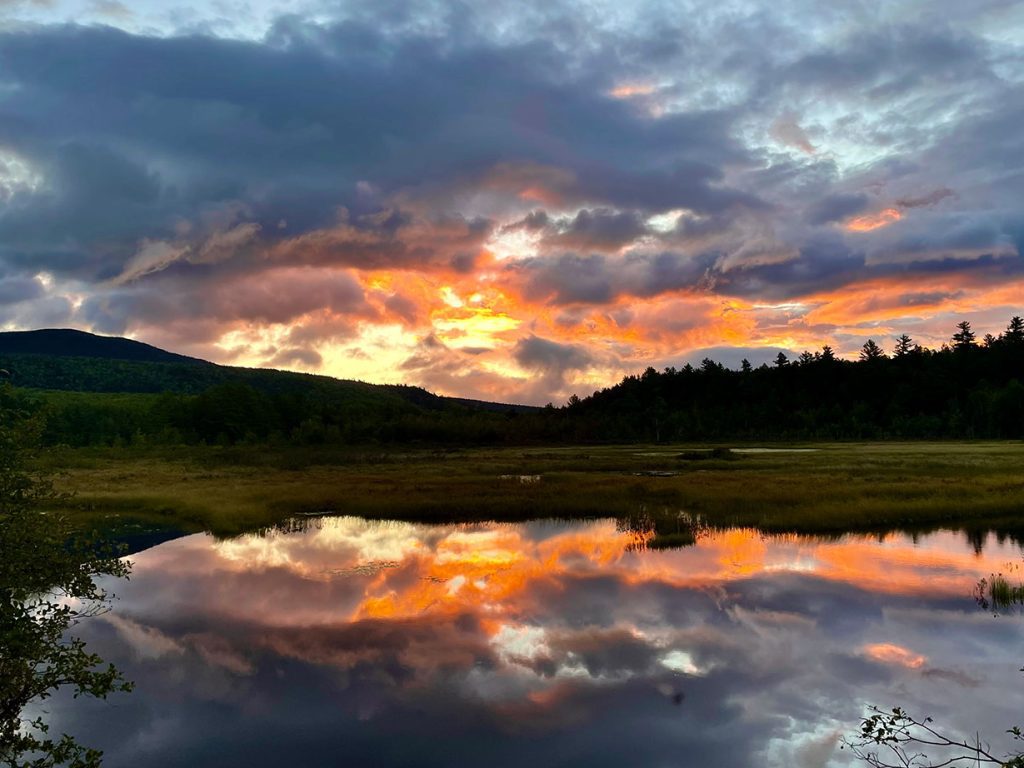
[547, 643]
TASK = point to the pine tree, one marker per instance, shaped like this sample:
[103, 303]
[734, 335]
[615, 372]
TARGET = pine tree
[1015, 331]
[904, 346]
[871, 351]
[964, 338]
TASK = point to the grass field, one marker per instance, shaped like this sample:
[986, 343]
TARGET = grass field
[818, 488]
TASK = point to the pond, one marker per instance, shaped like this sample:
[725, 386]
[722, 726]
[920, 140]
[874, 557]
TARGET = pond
[338, 641]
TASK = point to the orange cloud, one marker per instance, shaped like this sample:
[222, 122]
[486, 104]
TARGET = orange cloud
[889, 653]
[872, 221]
[629, 90]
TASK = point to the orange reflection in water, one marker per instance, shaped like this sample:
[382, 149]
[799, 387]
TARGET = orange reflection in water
[890, 653]
[400, 570]
[560, 627]
[872, 221]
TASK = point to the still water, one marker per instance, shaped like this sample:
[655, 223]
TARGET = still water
[342, 642]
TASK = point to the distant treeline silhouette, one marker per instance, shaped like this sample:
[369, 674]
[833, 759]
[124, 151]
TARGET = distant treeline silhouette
[966, 389]
[969, 388]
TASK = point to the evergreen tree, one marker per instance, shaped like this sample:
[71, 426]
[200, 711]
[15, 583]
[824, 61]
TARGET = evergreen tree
[904, 346]
[1015, 331]
[871, 351]
[964, 338]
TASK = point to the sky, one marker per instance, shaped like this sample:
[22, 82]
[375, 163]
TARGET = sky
[512, 201]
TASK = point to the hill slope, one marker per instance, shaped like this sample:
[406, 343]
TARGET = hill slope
[76, 361]
[65, 342]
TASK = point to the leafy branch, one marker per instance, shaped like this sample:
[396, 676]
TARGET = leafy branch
[48, 584]
[896, 739]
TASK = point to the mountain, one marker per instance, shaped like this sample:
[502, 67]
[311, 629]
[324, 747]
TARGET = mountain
[76, 361]
[65, 342]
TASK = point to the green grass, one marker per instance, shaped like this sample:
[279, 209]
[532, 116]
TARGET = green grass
[999, 593]
[837, 487]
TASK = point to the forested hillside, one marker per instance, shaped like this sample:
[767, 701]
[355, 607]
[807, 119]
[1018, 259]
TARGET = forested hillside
[67, 342]
[98, 391]
[967, 389]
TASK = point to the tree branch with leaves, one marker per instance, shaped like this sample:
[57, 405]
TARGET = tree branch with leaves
[48, 584]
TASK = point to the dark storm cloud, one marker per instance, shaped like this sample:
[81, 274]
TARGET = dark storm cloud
[599, 279]
[888, 61]
[274, 296]
[929, 199]
[134, 135]
[597, 229]
[825, 262]
[542, 354]
[17, 289]
[390, 239]
[836, 207]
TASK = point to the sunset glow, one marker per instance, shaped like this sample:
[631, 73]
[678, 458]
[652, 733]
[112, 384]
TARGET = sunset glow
[515, 212]
[873, 221]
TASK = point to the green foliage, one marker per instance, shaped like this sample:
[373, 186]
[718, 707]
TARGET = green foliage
[47, 585]
[999, 594]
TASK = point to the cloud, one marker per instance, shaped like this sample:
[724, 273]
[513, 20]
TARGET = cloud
[549, 356]
[836, 207]
[297, 189]
[600, 229]
[926, 200]
[14, 290]
[293, 357]
[787, 130]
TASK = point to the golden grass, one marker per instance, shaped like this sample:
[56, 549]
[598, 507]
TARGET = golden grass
[836, 487]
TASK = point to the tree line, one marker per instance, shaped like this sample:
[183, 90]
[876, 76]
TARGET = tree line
[968, 388]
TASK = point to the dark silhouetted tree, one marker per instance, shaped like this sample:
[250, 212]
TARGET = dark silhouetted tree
[1015, 331]
[964, 338]
[47, 585]
[904, 346]
[871, 351]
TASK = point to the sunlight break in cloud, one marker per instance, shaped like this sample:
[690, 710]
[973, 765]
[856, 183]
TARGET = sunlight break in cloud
[428, 194]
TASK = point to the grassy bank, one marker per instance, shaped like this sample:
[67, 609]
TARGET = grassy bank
[820, 488]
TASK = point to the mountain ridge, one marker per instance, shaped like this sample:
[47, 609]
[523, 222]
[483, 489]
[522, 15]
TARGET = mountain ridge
[70, 342]
[67, 359]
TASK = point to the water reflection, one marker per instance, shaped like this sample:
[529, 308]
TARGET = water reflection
[340, 641]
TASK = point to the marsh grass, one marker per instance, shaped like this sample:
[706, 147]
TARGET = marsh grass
[998, 593]
[839, 487]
